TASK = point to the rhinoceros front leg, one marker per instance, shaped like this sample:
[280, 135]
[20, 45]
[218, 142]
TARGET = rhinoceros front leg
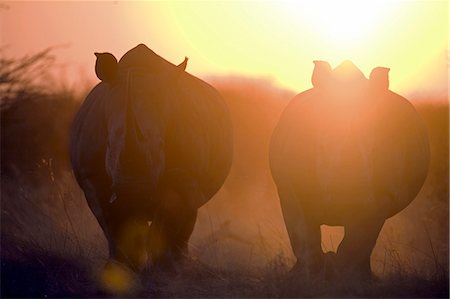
[356, 248]
[304, 234]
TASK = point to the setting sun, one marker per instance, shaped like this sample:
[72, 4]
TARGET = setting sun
[341, 22]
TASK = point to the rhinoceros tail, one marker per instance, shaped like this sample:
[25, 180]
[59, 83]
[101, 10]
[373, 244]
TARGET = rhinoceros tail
[183, 65]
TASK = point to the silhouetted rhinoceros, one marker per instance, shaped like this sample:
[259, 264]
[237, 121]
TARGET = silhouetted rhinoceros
[150, 143]
[348, 152]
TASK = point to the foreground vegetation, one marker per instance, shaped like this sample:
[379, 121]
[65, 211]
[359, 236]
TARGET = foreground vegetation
[52, 246]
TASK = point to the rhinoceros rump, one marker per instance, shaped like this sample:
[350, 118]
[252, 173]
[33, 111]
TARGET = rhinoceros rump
[347, 152]
[150, 143]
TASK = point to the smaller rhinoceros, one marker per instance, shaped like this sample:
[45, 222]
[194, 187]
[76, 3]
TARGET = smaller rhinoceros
[348, 152]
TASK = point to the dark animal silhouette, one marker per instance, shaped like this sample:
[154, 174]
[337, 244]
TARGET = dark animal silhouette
[106, 67]
[154, 144]
[348, 152]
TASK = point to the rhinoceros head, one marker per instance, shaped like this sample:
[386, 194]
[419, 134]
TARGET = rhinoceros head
[140, 104]
[343, 76]
[348, 73]
[346, 83]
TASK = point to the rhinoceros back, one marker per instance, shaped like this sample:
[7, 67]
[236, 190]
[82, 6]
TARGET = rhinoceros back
[198, 129]
[199, 136]
[368, 154]
[88, 136]
[153, 120]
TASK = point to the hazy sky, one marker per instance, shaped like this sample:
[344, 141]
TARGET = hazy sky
[274, 39]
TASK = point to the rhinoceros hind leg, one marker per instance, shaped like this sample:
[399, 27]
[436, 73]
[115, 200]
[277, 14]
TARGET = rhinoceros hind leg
[170, 231]
[356, 247]
[129, 241]
[125, 230]
[304, 234]
[97, 192]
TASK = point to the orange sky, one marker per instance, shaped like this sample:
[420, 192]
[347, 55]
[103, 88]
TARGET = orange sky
[274, 39]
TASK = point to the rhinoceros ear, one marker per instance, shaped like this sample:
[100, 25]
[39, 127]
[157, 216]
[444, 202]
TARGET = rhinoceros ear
[182, 66]
[379, 78]
[106, 67]
[321, 75]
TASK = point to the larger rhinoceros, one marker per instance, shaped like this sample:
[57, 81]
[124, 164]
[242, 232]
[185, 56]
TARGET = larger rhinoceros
[348, 152]
[150, 143]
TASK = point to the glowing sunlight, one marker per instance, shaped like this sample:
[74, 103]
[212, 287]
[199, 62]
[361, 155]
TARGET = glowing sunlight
[269, 39]
[280, 39]
[341, 22]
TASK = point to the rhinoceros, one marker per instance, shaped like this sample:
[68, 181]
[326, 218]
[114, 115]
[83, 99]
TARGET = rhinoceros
[348, 152]
[150, 143]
